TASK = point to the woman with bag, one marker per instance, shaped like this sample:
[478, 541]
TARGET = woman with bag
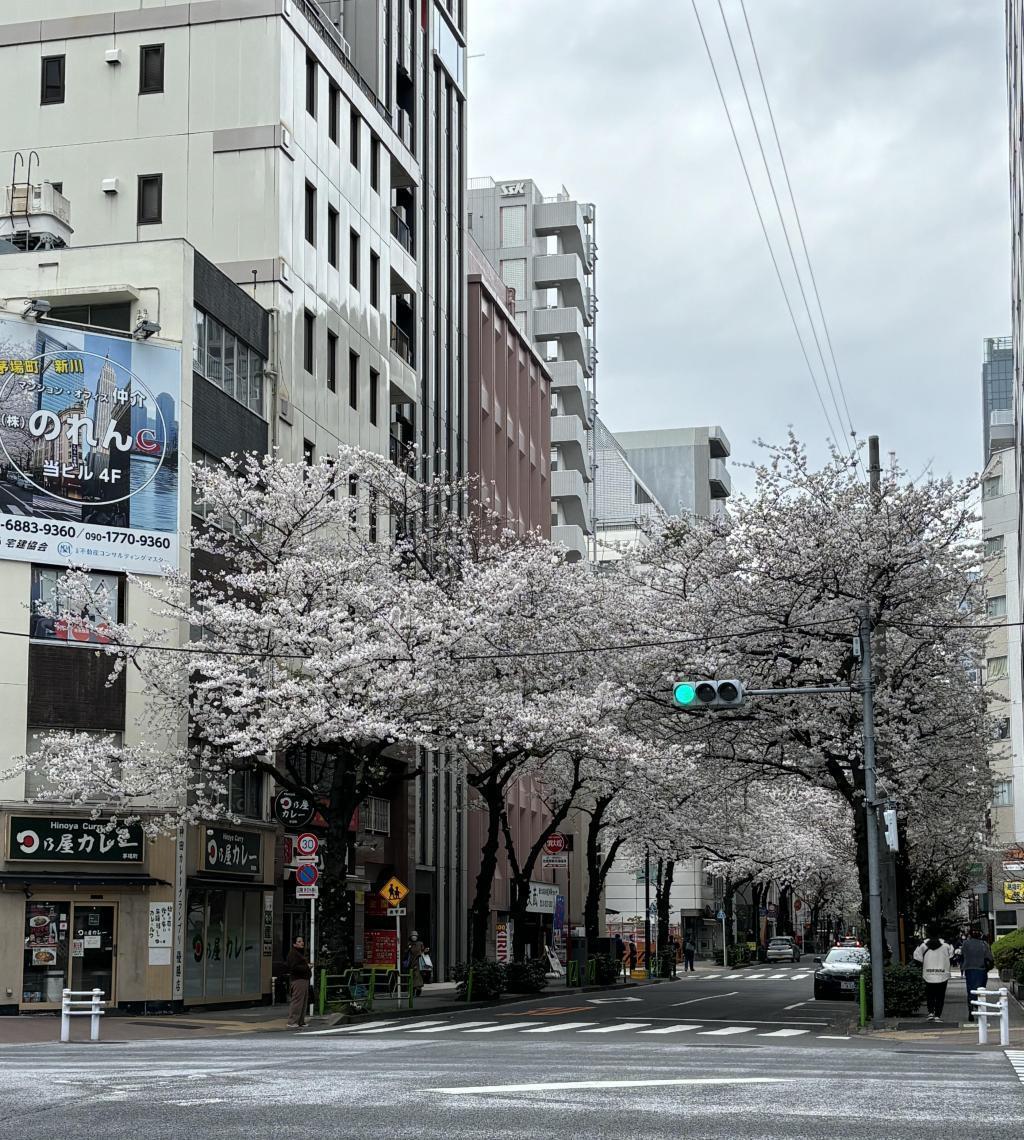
[419, 963]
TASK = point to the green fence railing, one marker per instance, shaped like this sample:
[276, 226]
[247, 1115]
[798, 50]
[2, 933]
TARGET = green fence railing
[362, 987]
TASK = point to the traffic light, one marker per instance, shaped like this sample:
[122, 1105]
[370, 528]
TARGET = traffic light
[892, 834]
[708, 694]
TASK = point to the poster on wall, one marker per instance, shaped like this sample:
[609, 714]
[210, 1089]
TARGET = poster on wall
[89, 428]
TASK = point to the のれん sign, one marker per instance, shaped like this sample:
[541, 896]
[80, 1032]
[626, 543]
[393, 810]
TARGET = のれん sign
[88, 449]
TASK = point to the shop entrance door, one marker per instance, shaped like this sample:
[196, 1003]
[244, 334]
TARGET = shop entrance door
[93, 948]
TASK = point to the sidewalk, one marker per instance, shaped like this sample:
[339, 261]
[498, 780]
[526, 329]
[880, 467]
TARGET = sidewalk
[44, 1028]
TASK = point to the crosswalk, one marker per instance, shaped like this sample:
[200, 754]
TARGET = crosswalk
[402, 1028]
[1016, 1059]
[747, 976]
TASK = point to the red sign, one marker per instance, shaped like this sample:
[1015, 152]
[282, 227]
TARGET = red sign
[307, 844]
[380, 947]
[797, 905]
[555, 842]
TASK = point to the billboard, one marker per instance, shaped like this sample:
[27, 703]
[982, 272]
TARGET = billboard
[89, 428]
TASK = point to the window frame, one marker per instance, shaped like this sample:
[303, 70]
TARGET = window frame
[355, 122]
[353, 380]
[374, 280]
[147, 51]
[158, 181]
[62, 61]
[374, 396]
[312, 82]
[374, 163]
[333, 225]
[333, 111]
[309, 213]
[332, 361]
[353, 258]
[308, 341]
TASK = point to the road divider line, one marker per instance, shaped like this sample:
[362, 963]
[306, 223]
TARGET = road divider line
[415, 1027]
[708, 997]
[796, 1005]
[641, 1084]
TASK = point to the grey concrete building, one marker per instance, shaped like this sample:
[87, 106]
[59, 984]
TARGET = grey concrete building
[627, 507]
[684, 468]
[546, 250]
[997, 392]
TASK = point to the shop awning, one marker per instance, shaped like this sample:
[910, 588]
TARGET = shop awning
[77, 879]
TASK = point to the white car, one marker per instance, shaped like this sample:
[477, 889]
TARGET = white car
[782, 950]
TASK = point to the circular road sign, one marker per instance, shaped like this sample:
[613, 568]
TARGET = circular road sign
[293, 810]
[307, 845]
[555, 843]
[306, 874]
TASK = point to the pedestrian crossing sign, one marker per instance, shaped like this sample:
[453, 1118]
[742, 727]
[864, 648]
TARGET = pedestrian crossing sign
[393, 891]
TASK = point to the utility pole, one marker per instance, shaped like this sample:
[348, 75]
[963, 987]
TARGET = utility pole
[871, 821]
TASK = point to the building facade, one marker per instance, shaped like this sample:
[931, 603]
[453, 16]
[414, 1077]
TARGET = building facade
[546, 250]
[996, 385]
[628, 507]
[684, 468]
[314, 154]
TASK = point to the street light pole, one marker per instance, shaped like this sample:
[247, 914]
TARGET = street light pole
[871, 821]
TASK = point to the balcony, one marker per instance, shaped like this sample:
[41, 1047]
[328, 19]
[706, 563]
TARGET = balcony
[1001, 430]
[401, 345]
[719, 479]
[574, 540]
[567, 326]
[565, 218]
[718, 442]
[568, 436]
[568, 381]
[403, 256]
[570, 490]
[400, 230]
[563, 271]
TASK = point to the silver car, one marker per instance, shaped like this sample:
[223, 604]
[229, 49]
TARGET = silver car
[782, 950]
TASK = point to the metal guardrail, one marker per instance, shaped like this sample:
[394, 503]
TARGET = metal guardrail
[363, 986]
[401, 344]
[84, 1003]
[400, 229]
[983, 1009]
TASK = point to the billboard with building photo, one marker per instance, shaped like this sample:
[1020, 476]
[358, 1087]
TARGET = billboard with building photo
[89, 427]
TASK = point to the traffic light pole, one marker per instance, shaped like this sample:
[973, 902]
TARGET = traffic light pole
[871, 821]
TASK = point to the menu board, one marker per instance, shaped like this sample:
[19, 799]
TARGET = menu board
[379, 947]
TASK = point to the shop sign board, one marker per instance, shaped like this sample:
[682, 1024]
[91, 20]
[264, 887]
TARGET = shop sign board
[64, 840]
[161, 923]
[502, 940]
[380, 947]
[89, 431]
[233, 852]
[1013, 892]
[543, 897]
[293, 810]
[268, 924]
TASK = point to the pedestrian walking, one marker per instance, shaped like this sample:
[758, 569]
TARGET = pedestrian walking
[631, 956]
[689, 952]
[673, 955]
[299, 973]
[417, 958]
[975, 962]
[936, 958]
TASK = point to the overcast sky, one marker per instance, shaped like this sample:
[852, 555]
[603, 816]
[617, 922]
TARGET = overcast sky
[892, 115]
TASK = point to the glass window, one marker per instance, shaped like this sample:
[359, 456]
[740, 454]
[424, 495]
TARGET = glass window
[216, 906]
[374, 163]
[333, 111]
[195, 957]
[513, 226]
[513, 273]
[353, 380]
[242, 373]
[995, 545]
[310, 214]
[991, 487]
[251, 945]
[103, 605]
[199, 341]
[150, 199]
[353, 258]
[214, 353]
[355, 129]
[332, 236]
[332, 362]
[996, 669]
[451, 53]
[255, 382]
[151, 69]
[996, 606]
[234, 940]
[374, 281]
[311, 85]
[47, 929]
[243, 795]
[374, 395]
[1002, 793]
[37, 780]
[308, 340]
[228, 362]
[1001, 728]
[228, 370]
[52, 79]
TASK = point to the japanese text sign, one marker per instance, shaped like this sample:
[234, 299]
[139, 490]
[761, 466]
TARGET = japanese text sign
[57, 840]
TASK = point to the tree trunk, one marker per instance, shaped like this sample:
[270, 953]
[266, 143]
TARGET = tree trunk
[492, 794]
[663, 898]
[336, 930]
[597, 869]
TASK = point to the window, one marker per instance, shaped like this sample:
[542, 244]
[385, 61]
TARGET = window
[38, 781]
[375, 815]
[374, 280]
[333, 111]
[353, 379]
[151, 199]
[151, 69]
[371, 516]
[353, 259]
[243, 795]
[991, 487]
[996, 669]
[1002, 793]
[374, 163]
[513, 273]
[332, 362]
[52, 79]
[307, 453]
[58, 187]
[308, 340]
[996, 606]
[53, 613]
[1001, 728]
[995, 545]
[311, 86]
[332, 236]
[227, 361]
[310, 209]
[374, 394]
[356, 124]
[513, 226]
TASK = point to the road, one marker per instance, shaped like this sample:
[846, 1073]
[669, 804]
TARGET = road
[560, 1066]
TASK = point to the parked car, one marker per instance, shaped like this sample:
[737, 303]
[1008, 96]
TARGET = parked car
[19, 480]
[836, 975]
[782, 949]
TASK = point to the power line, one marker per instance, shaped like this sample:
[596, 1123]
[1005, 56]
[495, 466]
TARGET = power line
[782, 219]
[191, 648]
[764, 229]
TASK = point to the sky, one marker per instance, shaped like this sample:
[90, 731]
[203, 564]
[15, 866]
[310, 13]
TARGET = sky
[893, 123]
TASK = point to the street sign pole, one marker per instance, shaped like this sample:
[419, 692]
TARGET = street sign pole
[312, 952]
[725, 948]
[398, 953]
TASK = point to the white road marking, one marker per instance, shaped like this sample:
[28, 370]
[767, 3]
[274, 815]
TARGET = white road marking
[499, 1028]
[729, 976]
[797, 977]
[442, 1027]
[346, 1029]
[755, 977]
[671, 1029]
[708, 977]
[1016, 1059]
[617, 1084]
[728, 1031]
[618, 1028]
[785, 1033]
[772, 977]
[796, 1005]
[826, 1037]
[747, 1021]
[710, 997]
[560, 1026]
[415, 1027]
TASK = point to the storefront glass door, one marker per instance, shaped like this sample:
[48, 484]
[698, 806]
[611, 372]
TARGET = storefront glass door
[93, 949]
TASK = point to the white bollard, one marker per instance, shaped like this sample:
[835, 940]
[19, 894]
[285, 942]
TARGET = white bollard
[65, 1016]
[1004, 1017]
[94, 1015]
[81, 1003]
[983, 1007]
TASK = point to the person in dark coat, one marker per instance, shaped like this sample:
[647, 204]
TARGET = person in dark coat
[299, 973]
[631, 952]
[975, 962]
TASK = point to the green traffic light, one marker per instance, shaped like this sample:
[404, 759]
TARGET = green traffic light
[684, 693]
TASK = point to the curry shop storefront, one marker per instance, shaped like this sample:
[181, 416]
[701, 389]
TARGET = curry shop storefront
[85, 906]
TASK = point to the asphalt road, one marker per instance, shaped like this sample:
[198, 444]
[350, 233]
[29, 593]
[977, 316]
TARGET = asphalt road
[567, 1065]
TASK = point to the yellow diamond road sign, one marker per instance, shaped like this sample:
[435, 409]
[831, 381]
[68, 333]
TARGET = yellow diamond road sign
[394, 890]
